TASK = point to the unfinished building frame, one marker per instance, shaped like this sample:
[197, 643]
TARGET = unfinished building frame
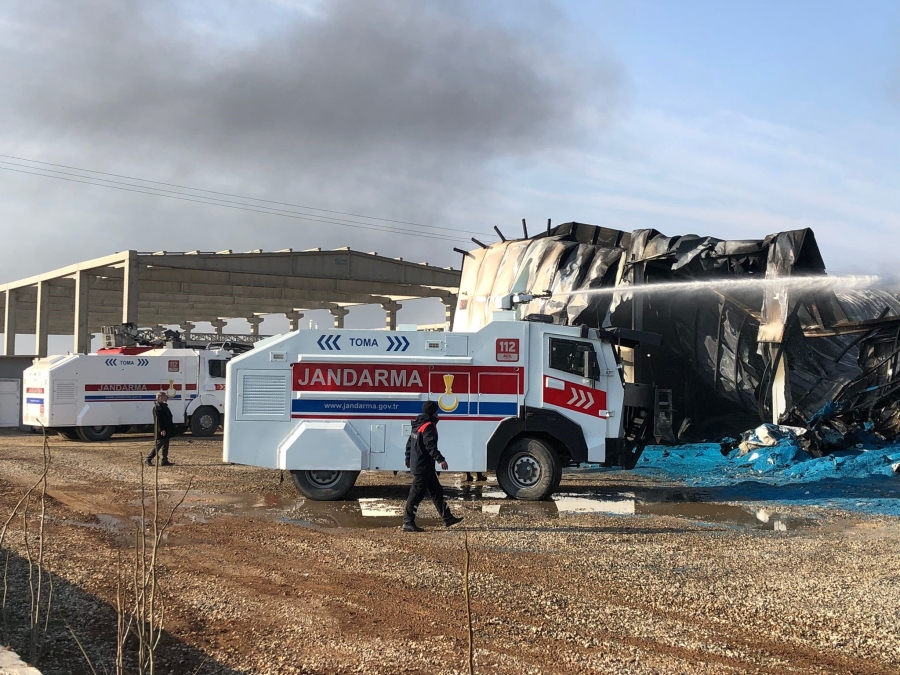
[165, 288]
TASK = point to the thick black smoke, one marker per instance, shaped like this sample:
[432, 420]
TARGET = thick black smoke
[399, 108]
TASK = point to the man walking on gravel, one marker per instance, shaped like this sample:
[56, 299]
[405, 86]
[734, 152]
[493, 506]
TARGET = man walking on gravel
[421, 454]
[162, 423]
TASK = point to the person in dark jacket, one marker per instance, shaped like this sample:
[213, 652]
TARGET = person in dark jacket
[421, 454]
[162, 423]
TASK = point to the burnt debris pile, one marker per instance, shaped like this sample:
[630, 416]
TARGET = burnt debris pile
[753, 331]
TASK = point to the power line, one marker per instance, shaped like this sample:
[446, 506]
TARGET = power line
[284, 214]
[224, 194]
[215, 200]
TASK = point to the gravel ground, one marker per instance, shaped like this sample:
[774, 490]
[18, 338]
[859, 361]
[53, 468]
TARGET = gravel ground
[259, 581]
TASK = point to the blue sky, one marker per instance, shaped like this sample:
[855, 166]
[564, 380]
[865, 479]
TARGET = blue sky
[799, 62]
[730, 119]
[742, 119]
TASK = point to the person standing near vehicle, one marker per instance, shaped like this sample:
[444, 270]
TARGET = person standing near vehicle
[164, 427]
[421, 455]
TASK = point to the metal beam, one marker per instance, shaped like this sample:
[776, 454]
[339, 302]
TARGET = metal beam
[271, 296]
[42, 319]
[449, 311]
[130, 289]
[9, 322]
[339, 313]
[342, 264]
[82, 337]
[107, 261]
[174, 279]
[254, 322]
[390, 314]
[238, 310]
[294, 318]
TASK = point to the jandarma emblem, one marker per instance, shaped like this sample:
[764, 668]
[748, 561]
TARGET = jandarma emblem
[448, 402]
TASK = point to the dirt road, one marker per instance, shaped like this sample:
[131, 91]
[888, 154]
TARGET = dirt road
[621, 575]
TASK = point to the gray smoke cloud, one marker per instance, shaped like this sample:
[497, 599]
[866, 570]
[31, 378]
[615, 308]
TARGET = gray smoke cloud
[399, 108]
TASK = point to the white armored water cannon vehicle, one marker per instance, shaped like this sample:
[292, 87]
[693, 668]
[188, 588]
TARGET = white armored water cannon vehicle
[522, 398]
[90, 397]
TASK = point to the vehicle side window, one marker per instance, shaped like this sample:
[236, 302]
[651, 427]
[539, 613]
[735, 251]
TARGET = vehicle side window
[568, 356]
[217, 368]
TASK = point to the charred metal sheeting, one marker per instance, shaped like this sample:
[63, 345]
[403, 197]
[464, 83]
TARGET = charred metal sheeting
[732, 356]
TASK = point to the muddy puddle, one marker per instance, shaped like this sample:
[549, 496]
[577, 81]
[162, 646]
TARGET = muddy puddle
[700, 512]
[387, 511]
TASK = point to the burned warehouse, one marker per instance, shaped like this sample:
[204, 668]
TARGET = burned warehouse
[753, 331]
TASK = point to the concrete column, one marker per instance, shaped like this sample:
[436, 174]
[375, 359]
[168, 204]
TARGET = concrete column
[42, 320]
[449, 311]
[186, 329]
[9, 323]
[339, 313]
[294, 318]
[218, 325]
[254, 322]
[390, 310]
[82, 336]
[130, 290]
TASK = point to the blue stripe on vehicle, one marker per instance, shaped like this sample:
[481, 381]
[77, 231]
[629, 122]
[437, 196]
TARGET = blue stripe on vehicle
[497, 408]
[406, 408]
[35, 401]
[357, 407]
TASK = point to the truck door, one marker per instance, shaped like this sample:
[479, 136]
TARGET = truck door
[571, 376]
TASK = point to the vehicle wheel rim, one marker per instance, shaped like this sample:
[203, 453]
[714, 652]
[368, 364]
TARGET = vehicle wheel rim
[524, 470]
[206, 421]
[324, 479]
[97, 430]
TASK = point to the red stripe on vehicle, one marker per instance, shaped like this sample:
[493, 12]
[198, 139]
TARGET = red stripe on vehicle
[413, 379]
[134, 387]
[575, 397]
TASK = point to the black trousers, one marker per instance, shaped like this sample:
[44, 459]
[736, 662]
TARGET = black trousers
[162, 447]
[429, 484]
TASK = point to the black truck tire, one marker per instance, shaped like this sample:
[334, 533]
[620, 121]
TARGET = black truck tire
[324, 486]
[204, 421]
[93, 434]
[557, 479]
[529, 469]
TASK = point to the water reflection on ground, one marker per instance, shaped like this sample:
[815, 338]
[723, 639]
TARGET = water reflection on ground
[377, 507]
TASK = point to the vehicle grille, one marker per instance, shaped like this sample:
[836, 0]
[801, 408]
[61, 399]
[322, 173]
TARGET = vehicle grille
[265, 395]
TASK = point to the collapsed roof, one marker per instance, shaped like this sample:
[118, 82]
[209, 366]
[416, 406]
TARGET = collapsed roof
[792, 348]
